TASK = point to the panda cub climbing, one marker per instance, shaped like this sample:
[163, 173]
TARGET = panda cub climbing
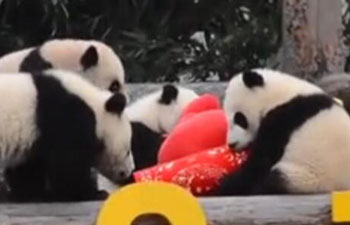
[151, 117]
[55, 126]
[297, 134]
[92, 59]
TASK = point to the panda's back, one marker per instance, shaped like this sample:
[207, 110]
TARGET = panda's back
[322, 147]
[18, 100]
[12, 62]
[40, 112]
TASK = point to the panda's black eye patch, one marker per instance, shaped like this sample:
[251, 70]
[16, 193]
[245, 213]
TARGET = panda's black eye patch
[114, 87]
[241, 120]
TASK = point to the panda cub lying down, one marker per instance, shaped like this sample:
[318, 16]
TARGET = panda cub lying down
[298, 135]
[55, 126]
[153, 116]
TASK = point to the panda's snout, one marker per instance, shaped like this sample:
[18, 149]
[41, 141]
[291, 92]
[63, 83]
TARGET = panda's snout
[237, 146]
[122, 174]
[125, 178]
[233, 145]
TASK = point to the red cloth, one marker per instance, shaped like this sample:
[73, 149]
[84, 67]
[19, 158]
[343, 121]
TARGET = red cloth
[200, 173]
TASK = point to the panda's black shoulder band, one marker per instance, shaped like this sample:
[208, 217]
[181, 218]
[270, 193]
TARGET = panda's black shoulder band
[34, 61]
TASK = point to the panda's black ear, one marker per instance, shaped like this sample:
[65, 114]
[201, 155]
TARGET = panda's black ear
[116, 103]
[89, 58]
[252, 79]
[169, 93]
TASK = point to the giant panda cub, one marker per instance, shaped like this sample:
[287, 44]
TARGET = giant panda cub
[299, 136]
[151, 117]
[55, 126]
[92, 59]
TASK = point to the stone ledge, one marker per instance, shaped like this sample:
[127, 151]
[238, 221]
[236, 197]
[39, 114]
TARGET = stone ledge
[258, 210]
[337, 85]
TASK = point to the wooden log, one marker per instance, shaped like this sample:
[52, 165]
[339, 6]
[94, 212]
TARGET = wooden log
[255, 210]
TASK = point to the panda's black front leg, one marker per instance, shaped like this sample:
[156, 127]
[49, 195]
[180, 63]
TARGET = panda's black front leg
[238, 183]
[245, 180]
[26, 181]
[70, 177]
[274, 183]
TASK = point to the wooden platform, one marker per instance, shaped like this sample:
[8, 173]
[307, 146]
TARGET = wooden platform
[267, 210]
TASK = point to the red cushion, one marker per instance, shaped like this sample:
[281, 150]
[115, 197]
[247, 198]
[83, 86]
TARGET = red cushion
[204, 103]
[200, 132]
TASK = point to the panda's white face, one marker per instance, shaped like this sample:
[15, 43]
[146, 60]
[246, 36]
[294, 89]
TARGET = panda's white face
[161, 110]
[240, 135]
[169, 111]
[93, 60]
[251, 95]
[108, 73]
[117, 161]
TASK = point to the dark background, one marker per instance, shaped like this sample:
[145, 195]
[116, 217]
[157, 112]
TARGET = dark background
[153, 37]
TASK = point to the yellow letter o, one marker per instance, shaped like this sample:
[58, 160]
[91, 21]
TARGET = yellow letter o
[176, 204]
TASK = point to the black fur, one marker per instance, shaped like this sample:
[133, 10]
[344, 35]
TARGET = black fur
[145, 145]
[89, 58]
[34, 62]
[59, 167]
[273, 135]
[116, 104]
[252, 79]
[274, 183]
[169, 94]
[115, 86]
[241, 120]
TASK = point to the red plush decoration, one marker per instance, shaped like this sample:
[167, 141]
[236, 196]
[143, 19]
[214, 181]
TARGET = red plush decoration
[203, 103]
[202, 125]
[184, 158]
[200, 173]
[202, 131]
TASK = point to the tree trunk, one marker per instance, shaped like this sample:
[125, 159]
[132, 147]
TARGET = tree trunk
[313, 44]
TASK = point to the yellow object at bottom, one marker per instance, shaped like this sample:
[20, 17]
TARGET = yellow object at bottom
[168, 200]
[341, 207]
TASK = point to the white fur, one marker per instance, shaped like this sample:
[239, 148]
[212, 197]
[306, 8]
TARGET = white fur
[11, 62]
[317, 157]
[255, 103]
[159, 117]
[66, 54]
[239, 136]
[17, 117]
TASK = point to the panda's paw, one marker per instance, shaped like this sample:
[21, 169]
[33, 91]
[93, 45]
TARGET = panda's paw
[101, 195]
[231, 189]
[236, 184]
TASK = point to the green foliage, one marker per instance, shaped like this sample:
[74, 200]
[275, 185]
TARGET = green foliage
[153, 37]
